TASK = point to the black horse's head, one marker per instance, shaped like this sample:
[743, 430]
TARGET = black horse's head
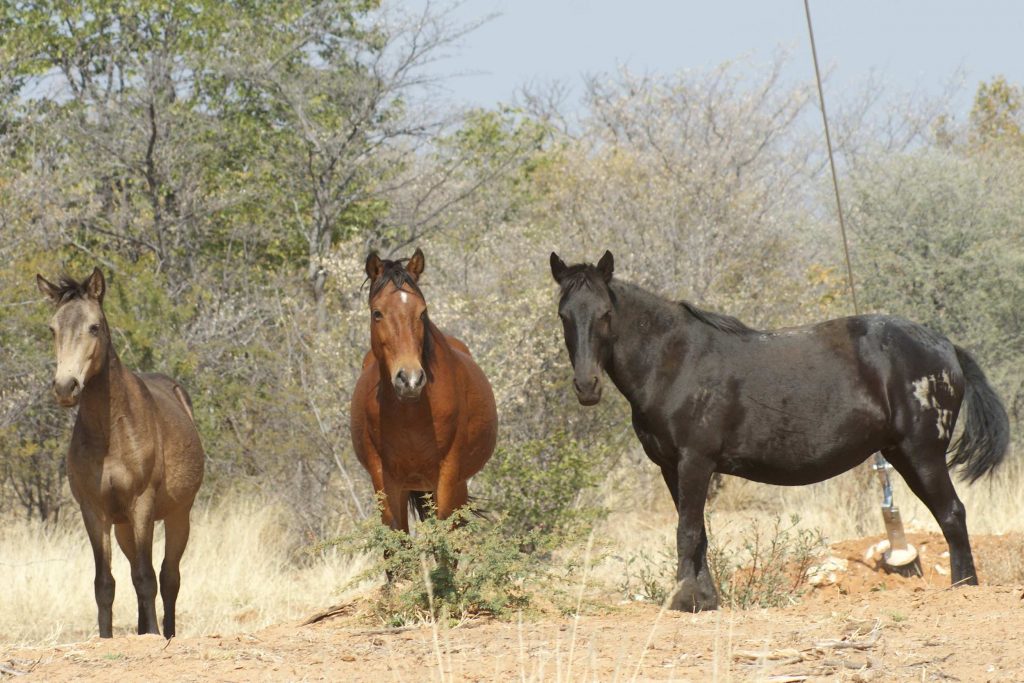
[587, 310]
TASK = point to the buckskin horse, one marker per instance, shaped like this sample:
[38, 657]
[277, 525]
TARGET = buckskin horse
[135, 454]
[791, 406]
[423, 416]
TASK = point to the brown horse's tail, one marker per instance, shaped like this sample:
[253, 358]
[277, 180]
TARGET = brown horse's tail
[423, 503]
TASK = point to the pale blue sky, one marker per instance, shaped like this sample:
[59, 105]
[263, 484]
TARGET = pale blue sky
[909, 45]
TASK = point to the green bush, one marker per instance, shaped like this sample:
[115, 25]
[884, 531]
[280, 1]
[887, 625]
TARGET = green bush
[764, 567]
[543, 490]
[448, 569]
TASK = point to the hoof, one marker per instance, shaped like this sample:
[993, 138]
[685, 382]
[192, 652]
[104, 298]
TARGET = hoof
[688, 598]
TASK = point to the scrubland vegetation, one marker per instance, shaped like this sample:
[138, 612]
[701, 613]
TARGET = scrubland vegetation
[230, 164]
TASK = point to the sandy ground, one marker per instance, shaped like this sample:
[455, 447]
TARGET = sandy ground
[866, 626]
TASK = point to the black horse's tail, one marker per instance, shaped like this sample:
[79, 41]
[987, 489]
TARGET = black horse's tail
[422, 503]
[986, 436]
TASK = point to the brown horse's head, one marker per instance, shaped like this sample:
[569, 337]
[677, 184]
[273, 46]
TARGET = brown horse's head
[399, 327]
[80, 333]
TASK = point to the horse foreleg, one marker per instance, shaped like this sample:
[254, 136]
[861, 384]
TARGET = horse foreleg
[451, 492]
[99, 539]
[176, 530]
[143, 576]
[694, 589]
[126, 540]
[397, 505]
[395, 514]
[705, 582]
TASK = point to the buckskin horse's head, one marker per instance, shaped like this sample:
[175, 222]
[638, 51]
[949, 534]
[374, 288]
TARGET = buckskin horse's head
[399, 326]
[80, 333]
[587, 310]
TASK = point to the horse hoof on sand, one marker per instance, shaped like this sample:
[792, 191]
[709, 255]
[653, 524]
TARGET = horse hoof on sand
[686, 599]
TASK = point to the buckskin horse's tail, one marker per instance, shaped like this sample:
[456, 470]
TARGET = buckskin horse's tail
[986, 436]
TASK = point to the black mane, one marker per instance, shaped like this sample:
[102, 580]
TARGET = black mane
[69, 289]
[579, 276]
[723, 323]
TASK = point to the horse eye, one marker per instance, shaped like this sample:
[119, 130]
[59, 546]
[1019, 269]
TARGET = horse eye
[423, 316]
[377, 315]
[53, 332]
[94, 330]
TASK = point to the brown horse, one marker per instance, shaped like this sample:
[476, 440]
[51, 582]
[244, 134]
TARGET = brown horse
[134, 457]
[423, 414]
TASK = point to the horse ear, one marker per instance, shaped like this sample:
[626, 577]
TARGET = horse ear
[96, 286]
[416, 264]
[48, 288]
[558, 268]
[606, 266]
[374, 266]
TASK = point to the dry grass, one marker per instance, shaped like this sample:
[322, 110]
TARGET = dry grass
[239, 573]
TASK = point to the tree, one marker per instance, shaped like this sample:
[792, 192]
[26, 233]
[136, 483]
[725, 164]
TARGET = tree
[997, 116]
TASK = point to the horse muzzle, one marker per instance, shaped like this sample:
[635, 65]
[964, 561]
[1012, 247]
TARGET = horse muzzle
[409, 384]
[67, 391]
[588, 391]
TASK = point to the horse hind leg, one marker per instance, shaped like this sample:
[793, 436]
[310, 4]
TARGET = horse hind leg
[922, 464]
[176, 531]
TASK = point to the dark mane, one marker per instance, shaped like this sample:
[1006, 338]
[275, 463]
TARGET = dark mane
[579, 276]
[395, 273]
[723, 323]
[69, 289]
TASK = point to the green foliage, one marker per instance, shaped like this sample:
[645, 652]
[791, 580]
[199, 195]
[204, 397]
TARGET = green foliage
[648, 577]
[447, 569]
[997, 116]
[544, 488]
[938, 240]
[768, 566]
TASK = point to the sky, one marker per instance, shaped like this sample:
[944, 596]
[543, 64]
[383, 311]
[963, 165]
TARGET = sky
[907, 45]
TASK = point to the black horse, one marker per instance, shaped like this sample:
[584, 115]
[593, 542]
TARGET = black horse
[790, 406]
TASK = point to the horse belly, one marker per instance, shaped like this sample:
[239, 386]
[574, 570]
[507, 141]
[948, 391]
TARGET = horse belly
[793, 458]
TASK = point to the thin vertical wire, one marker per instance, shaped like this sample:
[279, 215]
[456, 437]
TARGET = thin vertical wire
[831, 159]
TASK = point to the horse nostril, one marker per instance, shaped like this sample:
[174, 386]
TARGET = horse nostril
[420, 378]
[593, 385]
[401, 379]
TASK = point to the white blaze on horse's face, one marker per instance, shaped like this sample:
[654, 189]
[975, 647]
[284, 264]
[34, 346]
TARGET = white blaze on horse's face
[78, 338]
[397, 338]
